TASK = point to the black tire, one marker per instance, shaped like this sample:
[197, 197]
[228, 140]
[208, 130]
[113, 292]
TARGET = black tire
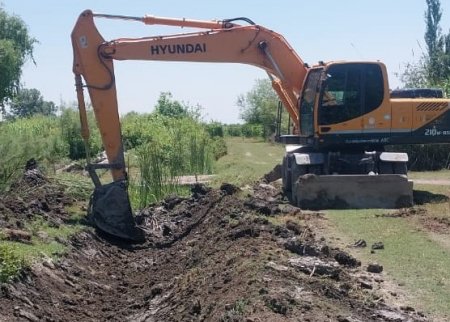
[286, 171]
[296, 172]
[316, 169]
[385, 168]
[400, 168]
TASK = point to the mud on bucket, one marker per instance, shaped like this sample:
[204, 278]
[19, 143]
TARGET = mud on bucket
[110, 212]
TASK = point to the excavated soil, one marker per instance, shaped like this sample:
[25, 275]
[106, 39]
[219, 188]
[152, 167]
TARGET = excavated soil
[33, 197]
[220, 255]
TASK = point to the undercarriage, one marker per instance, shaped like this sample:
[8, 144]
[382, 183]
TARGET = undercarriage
[351, 179]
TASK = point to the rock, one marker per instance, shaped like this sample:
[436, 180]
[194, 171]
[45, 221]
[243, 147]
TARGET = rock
[199, 189]
[260, 206]
[229, 189]
[293, 226]
[359, 243]
[25, 314]
[346, 260]
[277, 305]
[246, 231]
[378, 245]
[299, 248]
[315, 266]
[366, 285]
[374, 268]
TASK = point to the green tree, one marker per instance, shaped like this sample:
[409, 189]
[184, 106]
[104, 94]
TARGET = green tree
[30, 102]
[438, 44]
[259, 106]
[433, 68]
[16, 46]
[167, 106]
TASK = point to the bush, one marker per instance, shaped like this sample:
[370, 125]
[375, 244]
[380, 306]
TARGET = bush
[166, 148]
[37, 137]
[71, 134]
[10, 264]
[426, 157]
[219, 147]
[233, 129]
[215, 129]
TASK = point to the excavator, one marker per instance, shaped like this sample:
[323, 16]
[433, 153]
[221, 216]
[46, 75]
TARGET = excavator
[342, 112]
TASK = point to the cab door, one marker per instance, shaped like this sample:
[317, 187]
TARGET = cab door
[340, 105]
[307, 102]
[377, 116]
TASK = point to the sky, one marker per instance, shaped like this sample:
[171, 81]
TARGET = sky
[390, 31]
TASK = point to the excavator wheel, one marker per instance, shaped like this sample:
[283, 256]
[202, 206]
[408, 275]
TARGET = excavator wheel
[393, 168]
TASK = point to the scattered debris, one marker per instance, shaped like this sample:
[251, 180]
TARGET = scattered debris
[378, 245]
[361, 243]
[346, 259]
[374, 268]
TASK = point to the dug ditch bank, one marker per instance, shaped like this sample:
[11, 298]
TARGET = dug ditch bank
[219, 255]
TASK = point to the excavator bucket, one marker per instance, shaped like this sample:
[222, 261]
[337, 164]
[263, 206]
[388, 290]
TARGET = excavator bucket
[352, 191]
[111, 213]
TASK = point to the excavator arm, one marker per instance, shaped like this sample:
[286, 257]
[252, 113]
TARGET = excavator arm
[217, 41]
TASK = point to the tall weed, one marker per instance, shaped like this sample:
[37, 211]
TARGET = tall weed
[23, 139]
[166, 149]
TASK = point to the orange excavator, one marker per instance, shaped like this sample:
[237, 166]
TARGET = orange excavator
[343, 114]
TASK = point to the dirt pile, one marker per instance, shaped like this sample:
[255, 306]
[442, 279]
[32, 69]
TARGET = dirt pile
[219, 255]
[33, 196]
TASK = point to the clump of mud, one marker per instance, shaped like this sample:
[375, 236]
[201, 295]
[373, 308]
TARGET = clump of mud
[214, 256]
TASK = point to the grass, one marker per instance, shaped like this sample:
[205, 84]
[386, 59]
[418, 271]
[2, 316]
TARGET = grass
[411, 256]
[430, 175]
[15, 256]
[44, 243]
[247, 161]
[45, 238]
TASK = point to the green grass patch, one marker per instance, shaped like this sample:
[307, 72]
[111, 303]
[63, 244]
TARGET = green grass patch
[11, 263]
[247, 161]
[45, 242]
[14, 257]
[63, 231]
[430, 175]
[410, 256]
[75, 185]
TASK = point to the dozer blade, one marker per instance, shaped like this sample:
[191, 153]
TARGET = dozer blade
[353, 191]
[111, 212]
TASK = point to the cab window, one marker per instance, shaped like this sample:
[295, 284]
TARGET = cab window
[350, 91]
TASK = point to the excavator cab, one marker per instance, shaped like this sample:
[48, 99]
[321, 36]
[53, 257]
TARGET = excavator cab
[349, 91]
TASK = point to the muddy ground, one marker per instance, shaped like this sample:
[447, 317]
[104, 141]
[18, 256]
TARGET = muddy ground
[219, 255]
